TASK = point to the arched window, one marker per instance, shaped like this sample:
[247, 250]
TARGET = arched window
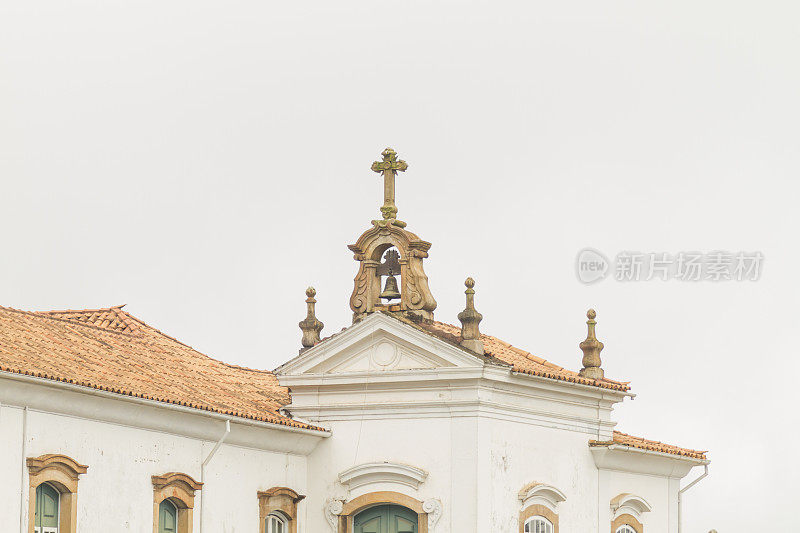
[47, 507]
[173, 502]
[538, 524]
[539, 513]
[53, 493]
[629, 510]
[277, 510]
[276, 523]
[167, 517]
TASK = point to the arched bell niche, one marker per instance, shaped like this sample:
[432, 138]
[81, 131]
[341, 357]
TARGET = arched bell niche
[370, 251]
[390, 279]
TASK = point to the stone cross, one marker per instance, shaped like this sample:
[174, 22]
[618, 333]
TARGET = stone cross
[389, 168]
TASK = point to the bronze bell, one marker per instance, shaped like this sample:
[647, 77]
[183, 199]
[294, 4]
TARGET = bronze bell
[390, 291]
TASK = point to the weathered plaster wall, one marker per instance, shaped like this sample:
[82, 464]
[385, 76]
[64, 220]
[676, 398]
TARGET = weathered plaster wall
[443, 447]
[657, 490]
[10, 466]
[116, 494]
[519, 454]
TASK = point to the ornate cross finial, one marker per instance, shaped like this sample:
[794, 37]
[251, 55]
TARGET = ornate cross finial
[389, 168]
[470, 320]
[311, 326]
[591, 348]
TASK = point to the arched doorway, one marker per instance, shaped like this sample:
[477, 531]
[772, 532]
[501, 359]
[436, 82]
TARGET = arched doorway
[386, 519]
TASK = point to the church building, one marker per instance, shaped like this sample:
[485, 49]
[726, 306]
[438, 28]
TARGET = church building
[399, 423]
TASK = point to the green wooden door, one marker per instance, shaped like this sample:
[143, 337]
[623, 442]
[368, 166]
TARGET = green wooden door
[386, 519]
[46, 517]
[167, 517]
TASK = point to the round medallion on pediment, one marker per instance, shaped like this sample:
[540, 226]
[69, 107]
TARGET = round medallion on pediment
[385, 354]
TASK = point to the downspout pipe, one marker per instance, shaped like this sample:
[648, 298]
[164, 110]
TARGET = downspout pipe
[203, 469]
[22, 509]
[680, 496]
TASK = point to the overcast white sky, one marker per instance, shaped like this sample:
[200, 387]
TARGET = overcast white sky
[204, 162]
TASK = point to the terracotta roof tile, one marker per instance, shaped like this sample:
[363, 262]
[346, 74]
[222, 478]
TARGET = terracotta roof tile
[113, 318]
[520, 360]
[624, 439]
[110, 350]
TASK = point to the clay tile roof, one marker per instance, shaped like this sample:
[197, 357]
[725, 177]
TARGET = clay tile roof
[113, 318]
[624, 439]
[520, 360]
[111, 350]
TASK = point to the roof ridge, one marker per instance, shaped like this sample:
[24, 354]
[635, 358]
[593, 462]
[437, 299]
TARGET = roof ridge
[169, 337]
[158, 331]
[55, 311]
[129, 319]
[125, 317]
[47, 316]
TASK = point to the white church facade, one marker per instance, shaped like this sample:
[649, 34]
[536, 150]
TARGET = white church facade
[397, 424]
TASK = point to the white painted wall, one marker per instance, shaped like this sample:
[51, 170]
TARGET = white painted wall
[658, 491]
[116, 494]
[477, 466]
[443, 447]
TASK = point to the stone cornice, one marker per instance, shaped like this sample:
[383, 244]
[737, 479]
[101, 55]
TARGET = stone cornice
[541, 494]
[385, 472]
[281, 492]
[176, 479]
[631, 504]
[454, 409]
[64, 464]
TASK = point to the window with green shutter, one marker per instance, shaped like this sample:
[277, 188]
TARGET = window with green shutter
[47, 502]
[167, 517]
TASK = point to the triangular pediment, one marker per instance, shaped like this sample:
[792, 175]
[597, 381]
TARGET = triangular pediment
[379, 343]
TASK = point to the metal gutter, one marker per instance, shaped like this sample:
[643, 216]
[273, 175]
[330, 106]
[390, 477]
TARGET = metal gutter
[622, 447]
[22, 510]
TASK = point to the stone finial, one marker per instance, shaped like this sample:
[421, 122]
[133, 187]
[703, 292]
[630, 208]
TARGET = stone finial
[591, 350]
[470, 320]
[311, 326]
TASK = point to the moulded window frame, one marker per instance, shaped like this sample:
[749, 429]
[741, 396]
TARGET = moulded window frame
[61, 473]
